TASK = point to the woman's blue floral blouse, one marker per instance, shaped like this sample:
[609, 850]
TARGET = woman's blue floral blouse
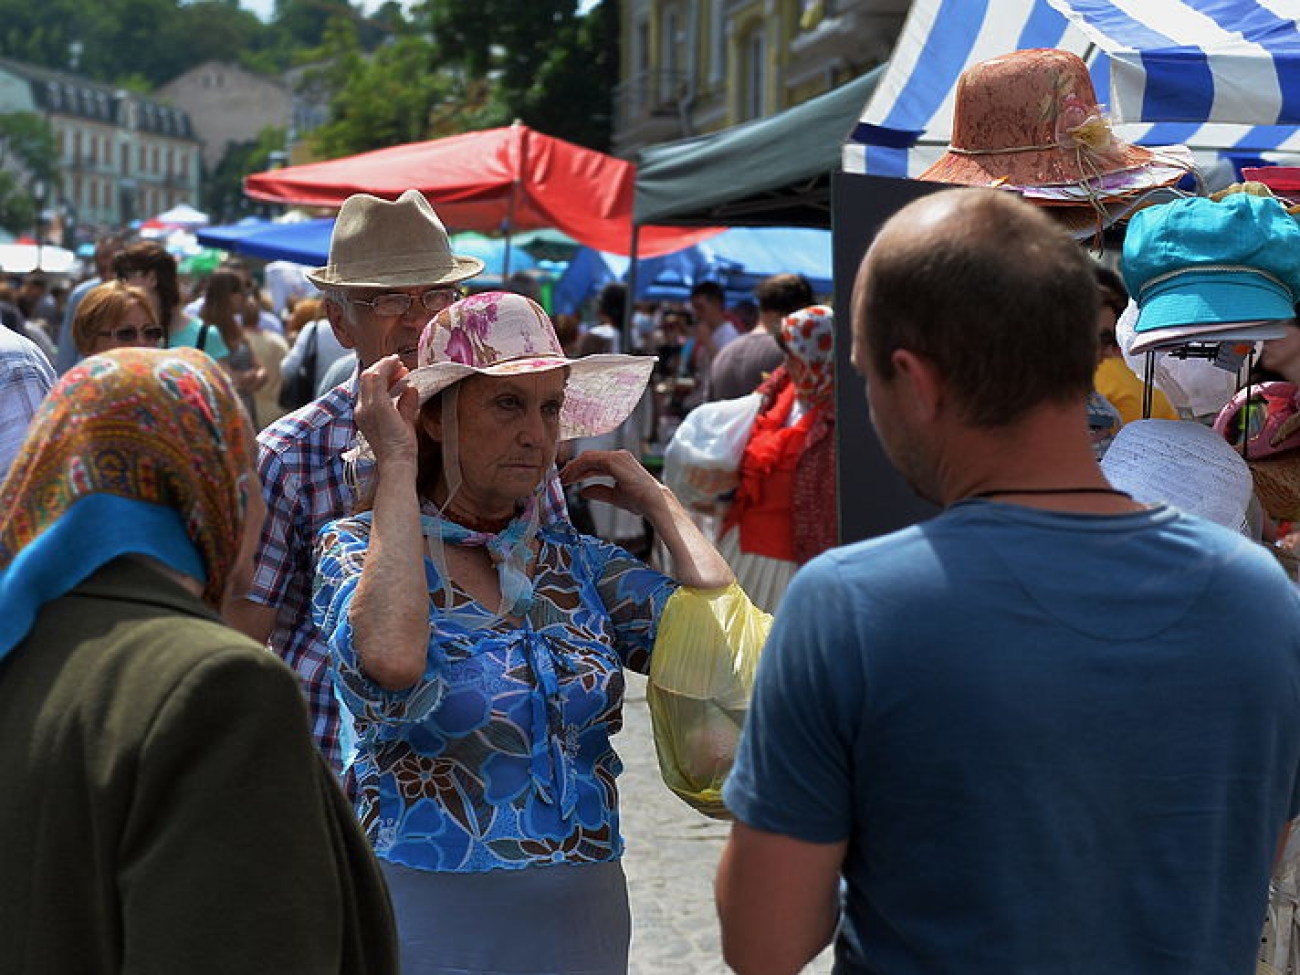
[499, 757]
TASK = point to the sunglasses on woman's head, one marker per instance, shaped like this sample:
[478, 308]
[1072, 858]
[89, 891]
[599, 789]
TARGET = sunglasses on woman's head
[130, 333]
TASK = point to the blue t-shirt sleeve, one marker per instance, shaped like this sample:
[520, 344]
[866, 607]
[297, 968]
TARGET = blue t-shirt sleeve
[794, 769]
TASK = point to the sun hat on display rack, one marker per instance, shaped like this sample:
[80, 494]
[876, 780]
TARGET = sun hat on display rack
[1186, 465]
[1263, 423]
[1212, 271]
[1029, 121]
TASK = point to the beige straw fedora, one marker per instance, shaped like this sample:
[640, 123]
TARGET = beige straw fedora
[381, 244]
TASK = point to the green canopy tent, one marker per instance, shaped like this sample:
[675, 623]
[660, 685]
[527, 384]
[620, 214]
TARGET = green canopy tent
[772, 172]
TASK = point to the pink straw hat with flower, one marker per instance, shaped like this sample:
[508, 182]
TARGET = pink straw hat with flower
[504, 334]
[1031, 119]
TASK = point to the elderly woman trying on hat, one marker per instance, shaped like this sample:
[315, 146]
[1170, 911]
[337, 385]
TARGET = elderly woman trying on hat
[481, 651]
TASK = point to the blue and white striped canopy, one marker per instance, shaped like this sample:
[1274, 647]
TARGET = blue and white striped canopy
[1221, 76]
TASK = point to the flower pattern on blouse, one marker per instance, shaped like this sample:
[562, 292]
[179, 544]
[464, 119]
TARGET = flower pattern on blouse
[499, 757]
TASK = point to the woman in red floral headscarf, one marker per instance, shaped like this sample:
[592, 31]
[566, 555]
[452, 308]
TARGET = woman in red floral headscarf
[784, 511]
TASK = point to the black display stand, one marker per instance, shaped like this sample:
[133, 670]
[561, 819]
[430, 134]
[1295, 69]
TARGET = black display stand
[874, 499]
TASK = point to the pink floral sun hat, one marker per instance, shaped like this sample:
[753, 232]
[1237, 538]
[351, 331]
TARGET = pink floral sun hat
[503, 334]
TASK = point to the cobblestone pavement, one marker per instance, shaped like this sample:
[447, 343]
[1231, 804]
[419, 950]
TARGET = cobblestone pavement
[672, 853]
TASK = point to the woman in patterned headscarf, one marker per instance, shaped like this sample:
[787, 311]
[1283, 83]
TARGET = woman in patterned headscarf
[784, 511]
[146, 748]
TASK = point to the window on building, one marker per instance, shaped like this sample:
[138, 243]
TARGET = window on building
[669, 63]
[754, 67]
[717, 41]
[640, 63]
[124, 158]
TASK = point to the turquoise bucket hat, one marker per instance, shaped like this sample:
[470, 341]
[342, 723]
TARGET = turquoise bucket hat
[1207, 270]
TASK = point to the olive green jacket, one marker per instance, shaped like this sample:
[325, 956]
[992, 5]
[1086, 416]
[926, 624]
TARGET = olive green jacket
[162, 808]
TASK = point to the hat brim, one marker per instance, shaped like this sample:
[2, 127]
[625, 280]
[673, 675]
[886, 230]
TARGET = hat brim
[601, 392]
[1176, 335]
[1056, 174]
[1277, 484]
[1183, 464]
[1032, 167]
[1210, 298]
[420, 275]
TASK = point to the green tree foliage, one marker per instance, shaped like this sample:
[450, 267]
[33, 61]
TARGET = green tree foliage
[223, 190]
[572, 94]
[547, 65]
[28, 155]
[384, 99]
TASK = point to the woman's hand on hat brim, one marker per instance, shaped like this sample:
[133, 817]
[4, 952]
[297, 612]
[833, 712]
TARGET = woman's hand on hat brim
[634, 489]
[387, 411]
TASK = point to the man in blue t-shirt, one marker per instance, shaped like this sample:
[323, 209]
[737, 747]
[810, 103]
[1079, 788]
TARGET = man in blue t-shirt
[1051, 730]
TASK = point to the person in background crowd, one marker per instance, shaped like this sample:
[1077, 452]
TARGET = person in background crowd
[1113, 378]
[36, 303]
[11, 317]
[146, 264]
[106, 248]
[390, 270]
[165, 810]
[1039, 730]
[784, 509]
[568, 331]
[266, 319]
[644, 326]
[304, 310]
[745, 363]
[713, 327]
[745, 315]
[316, 334]
[611, 306]
[219, 332]
[115, 316]
[269, 350]
[25, 377]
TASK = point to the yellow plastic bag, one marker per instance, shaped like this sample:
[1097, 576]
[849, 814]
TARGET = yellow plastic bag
[701, 678]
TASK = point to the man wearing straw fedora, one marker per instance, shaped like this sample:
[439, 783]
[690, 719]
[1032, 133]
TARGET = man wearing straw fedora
[390, 271]
[1049, 730]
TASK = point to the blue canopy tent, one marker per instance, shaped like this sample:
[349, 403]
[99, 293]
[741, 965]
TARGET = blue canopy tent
[306, 242]
[738, 258]
[1220, 76]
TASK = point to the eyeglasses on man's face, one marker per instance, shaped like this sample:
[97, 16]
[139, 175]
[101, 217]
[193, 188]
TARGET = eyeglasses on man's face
[128, 334]
[392, 305]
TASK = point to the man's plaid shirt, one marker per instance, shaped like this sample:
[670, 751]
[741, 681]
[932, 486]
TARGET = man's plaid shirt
[302, 471]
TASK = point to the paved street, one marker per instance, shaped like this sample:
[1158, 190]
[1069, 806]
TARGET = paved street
[672, 852]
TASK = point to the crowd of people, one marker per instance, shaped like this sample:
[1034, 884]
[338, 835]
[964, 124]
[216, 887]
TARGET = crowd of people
[1055, 727]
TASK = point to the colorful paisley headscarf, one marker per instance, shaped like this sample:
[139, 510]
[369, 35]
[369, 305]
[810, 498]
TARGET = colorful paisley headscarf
[809, 340]
[137, 451]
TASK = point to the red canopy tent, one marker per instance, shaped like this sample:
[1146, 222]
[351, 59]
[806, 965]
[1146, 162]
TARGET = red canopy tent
[509, 179]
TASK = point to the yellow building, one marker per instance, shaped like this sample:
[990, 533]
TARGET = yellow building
[695, 66]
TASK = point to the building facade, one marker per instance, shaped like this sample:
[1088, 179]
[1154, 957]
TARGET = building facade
[121, 156]
[696, 66]
[228, 104]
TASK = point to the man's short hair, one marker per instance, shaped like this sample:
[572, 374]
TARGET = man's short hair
[711, 291]
[999, 298]
[784, 294]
